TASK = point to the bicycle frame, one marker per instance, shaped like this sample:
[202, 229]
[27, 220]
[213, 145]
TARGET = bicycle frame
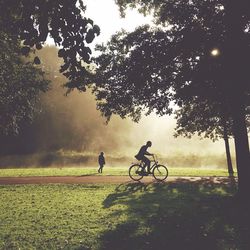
[155, 162]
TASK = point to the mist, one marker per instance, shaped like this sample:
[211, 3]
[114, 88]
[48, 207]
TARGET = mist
[71, 123]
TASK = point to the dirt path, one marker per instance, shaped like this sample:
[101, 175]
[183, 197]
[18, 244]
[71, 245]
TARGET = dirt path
[92, 179]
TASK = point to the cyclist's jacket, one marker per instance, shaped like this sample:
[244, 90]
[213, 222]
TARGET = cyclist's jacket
[142, 152]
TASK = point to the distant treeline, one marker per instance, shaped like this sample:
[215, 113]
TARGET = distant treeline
[70, 159]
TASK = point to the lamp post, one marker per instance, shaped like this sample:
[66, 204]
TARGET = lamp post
[215, 52]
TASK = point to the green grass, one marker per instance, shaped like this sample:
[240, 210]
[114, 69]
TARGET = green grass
[78, 171]
[180, 215]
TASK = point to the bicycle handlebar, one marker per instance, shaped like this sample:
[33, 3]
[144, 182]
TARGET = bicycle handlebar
[154, 158]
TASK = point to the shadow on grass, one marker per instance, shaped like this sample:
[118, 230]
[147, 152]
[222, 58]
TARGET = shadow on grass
[179, 215]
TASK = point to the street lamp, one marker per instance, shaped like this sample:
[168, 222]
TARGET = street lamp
[215, 52]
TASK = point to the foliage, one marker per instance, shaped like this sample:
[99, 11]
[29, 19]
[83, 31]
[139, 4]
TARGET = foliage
[24, 27]
[210, 120]
[145, 67]
[20, 84]
[204, 118]
[133, 74]
[32, 21]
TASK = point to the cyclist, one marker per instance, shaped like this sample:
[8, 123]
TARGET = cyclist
[141, 156]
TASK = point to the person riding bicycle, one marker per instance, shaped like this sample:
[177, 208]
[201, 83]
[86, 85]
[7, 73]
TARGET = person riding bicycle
[141, 156]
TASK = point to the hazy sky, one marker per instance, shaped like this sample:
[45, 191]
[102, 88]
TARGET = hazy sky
[105, 13]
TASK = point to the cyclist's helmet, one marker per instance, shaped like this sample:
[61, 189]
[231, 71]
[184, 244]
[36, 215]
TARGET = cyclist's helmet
[149, 143]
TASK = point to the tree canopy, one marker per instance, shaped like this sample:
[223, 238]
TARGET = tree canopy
[178, 54]
[133, 75]
[152, 67]
[33, 21]
[24, 27]
[203, 118]
[20, 83]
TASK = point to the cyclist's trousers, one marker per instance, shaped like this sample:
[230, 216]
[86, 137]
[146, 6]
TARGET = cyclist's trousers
[146, 161]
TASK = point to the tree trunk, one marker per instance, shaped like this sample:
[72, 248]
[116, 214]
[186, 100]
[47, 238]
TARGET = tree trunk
[236, 62]
[225, 136]
[229, 161]
[241, 149]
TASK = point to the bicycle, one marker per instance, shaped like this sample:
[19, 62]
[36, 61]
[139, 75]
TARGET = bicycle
[159, 171]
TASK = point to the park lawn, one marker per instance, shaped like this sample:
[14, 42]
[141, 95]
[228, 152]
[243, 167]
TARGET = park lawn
[178, 215]
[81, 171]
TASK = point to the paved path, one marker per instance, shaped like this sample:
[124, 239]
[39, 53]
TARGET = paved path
[93, 179]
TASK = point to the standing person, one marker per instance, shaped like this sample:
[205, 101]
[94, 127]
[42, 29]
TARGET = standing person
[101, 161]
[141, 155]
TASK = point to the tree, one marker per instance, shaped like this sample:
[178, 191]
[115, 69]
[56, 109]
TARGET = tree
[32, 21]
[132, 75]
[24, 28]
[21, 84]
[208, 120]
[149, 68]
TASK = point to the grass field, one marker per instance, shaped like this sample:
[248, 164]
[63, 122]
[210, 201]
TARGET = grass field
[79, 171]
[181, 215]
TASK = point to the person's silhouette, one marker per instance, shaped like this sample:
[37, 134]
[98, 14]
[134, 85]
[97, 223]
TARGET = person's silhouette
[101, 161]
[141, 155]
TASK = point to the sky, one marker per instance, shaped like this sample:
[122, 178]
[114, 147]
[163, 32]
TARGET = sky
[159, 130]
[105, 13]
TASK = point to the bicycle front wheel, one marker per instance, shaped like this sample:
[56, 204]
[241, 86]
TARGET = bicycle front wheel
[160, 172]
[134, 172]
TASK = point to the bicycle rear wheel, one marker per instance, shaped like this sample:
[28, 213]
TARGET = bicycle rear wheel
[160, 172]
[134, 171]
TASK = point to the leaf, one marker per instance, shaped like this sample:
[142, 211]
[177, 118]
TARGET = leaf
[37, 60]
[39, 46]
[61, 52]
[90, 36]
[25, 50]
[96, 30]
